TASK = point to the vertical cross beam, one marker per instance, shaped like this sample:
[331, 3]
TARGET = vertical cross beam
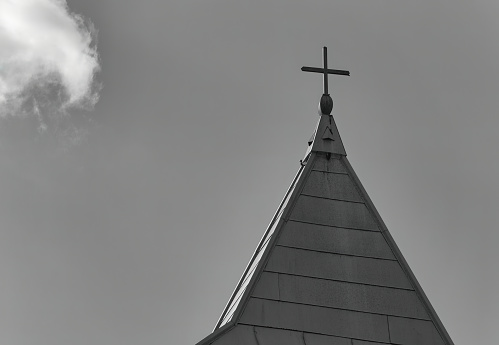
[324, 50]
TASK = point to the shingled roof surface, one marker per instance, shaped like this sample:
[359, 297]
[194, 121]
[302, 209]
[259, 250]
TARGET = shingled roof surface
[327, 271]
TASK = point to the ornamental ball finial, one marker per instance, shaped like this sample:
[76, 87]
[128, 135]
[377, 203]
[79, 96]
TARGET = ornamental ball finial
[326, 104]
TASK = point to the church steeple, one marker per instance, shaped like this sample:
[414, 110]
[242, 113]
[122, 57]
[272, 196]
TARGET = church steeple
[327, 271]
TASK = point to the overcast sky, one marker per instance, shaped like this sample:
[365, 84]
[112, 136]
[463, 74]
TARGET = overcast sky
[142, 156]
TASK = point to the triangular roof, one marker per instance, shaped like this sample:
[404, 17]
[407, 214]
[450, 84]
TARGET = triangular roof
[327, 271]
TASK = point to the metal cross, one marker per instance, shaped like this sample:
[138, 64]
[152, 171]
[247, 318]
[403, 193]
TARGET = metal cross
[325, 71]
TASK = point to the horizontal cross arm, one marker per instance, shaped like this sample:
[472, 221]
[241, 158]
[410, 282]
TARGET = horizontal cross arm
[328, 71]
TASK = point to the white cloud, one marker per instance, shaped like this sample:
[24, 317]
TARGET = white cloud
[48, 59]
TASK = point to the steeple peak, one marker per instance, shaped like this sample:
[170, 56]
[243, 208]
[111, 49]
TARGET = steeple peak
[326, 138]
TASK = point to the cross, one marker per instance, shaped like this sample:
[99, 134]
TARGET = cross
[326, 103]
[325, 71]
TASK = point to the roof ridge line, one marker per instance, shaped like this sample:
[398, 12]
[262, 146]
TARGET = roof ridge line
[331, 226]
[346, 309]
[309, 332]
[262, 243]
[300, 183]
[338, 280]
[334, 253]
[398, 254]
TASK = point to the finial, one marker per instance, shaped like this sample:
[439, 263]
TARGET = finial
[326, 103]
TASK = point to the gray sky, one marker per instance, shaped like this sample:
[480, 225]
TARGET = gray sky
[139, 234]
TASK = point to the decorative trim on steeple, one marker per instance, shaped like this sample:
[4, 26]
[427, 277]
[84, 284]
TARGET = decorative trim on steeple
[327, 138]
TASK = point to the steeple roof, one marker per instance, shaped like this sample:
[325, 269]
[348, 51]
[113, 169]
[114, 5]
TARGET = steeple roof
[327, 271]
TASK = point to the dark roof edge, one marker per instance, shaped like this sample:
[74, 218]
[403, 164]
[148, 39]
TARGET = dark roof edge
[255, 254]
[299, 184]
[210, 338]
[398, 254]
